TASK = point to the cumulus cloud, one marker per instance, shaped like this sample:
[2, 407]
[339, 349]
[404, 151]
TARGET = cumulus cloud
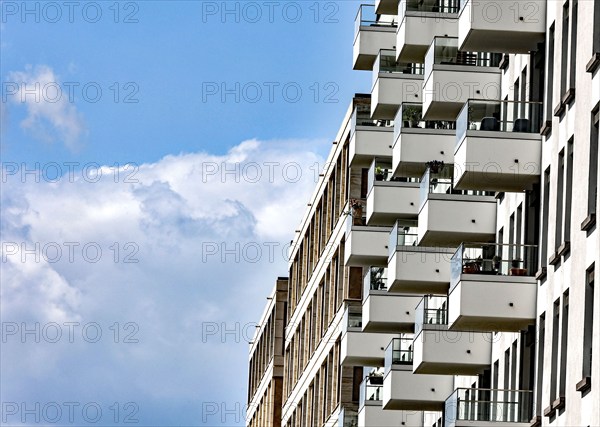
[50, 114]
[178, 271]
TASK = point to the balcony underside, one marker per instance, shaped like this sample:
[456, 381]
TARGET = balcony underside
[483, 40]
[386, 7]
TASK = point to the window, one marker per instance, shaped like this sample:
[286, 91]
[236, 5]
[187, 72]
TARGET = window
[564, 49]
[555, 345]
[540, 364]
[588, 323]
[573, 66]
[550, 83]
[545, 212]
[593, 171]
[568, 195]
[564, 344]
[559, 200]
[592, 65]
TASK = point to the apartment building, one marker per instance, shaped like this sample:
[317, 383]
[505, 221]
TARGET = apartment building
[444, 272]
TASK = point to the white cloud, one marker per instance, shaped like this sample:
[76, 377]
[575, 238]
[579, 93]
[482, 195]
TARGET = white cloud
[50, 114]
[174, 210]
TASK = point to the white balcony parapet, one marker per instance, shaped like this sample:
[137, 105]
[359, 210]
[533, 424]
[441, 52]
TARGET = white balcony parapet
[403, 390]
[452, 77]
[416, 269]
[393, 84]
[502, 26]
[498, 146]
[417, 141]
[365, 245]
[383, 311]
[372, 33]
[493, 288]
[440, 351]
[447, 216]
[421, 21]
[488, 408]
[390, 198]
[369, 138]
[360, 348]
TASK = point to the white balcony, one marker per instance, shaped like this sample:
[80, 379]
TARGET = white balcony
[502, 26]
[416, 269]
[404, 390]
[421, 21]
[498, 146]
[493, 288]
[417, 142]
[467, 407]
[439, 351]
[371, 412]
[368, 138]
[452, 77]
[372, 33]
[393, 84]
[390, 198]
[383, 311]
[360, 348]
[386, 7]
[448, 216]
[365, 246]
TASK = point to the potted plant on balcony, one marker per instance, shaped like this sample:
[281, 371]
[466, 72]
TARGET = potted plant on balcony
[412, 116]
[379, 173]
[516, 269]
[357, 211]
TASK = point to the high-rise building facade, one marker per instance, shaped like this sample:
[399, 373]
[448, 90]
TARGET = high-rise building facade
[444, 273]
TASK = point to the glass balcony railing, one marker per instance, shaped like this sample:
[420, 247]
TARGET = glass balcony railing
[439, 179]
[399, 352]
[348, 418]
[371, 390]
[374, 280]
[493, 259]
[489, 405]
[403, 234]
[410, 115]
[381, 171]
[366, 17]
[432, 310]
[409, 7]
[361, 116]
[499, 116]
[386, 64]
[353, 319]
[444, 51]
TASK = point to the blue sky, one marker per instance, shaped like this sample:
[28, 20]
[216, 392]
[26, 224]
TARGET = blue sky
[137, 260]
